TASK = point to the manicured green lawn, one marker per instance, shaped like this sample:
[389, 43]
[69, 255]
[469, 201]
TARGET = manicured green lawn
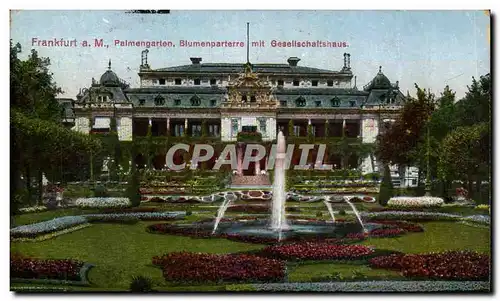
[120, 252]
[312, 272]
[437, 236]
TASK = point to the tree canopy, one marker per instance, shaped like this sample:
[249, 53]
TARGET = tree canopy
[40, 144]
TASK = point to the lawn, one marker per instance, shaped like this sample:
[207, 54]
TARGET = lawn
[120, 251]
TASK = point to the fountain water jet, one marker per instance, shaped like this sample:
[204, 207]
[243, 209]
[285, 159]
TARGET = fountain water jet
[356, 213]
[330, 209]
[278, 217]
[222, 209]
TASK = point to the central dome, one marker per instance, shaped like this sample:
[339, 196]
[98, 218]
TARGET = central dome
[109, 78]
[381, 81]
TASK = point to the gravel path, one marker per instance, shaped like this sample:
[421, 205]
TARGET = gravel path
[379, 286]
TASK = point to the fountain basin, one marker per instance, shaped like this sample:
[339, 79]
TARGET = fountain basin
[260, 229]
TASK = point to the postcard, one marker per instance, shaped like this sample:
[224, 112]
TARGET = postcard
[161, 151]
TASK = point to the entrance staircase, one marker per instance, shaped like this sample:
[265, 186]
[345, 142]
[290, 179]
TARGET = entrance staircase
[250, 182]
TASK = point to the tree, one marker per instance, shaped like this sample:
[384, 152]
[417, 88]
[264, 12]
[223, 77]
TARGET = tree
[475, 107]
[40, 143]
[465, 154]
[386, 188]
[32, 89]
[398, 145]
[133, 189]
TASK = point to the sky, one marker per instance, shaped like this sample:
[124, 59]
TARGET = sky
[430, 48]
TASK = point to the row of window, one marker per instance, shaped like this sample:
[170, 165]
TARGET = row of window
[213, 82]
[301, 102]
[195, 101]
[314, 83]
[178, 81]
[196, 131]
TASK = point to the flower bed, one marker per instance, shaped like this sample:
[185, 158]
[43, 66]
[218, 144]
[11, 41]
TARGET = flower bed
[316, 251]
[248, 209]
[415, 202]
[57, 224]
[50, 235]
[452, 265]
[33, 209]
[410, 215]
[407, 226]
[57, 269]
[111, 218]
[102, 202]
[131, 210]
[147, 216]
[480, 219]
[386, 232]
[198, 267]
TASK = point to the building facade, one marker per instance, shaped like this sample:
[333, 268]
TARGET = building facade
[220, 100]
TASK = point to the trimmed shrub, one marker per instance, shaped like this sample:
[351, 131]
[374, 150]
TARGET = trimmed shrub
[386, 188]
[342, 212]
[100, 191]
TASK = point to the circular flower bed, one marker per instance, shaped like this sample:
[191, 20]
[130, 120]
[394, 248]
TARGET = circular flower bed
[452, 265]
[415, 202]
[316, 251]
[198, 267]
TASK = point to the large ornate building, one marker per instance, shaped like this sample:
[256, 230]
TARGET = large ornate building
[227, 98]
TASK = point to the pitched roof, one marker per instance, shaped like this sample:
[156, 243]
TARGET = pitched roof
[238, 68]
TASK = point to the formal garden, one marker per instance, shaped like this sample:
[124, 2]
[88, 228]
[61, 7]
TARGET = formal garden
[79, 227]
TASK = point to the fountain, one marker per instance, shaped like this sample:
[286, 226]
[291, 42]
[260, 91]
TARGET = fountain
[277, 227]
[278, 217]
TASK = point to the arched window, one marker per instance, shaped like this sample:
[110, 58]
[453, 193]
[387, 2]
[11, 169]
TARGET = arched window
[195, 101]
[159, 100]
[335, 102]
[300, 102]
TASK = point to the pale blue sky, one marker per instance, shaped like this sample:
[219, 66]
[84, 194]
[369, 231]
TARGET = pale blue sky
[431, 48]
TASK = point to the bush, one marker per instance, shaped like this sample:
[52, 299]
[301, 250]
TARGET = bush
[386, 188]
[188, 213]
[141, 284]
[342, 212]
[319, 214]
[133, 189]
[100, 192]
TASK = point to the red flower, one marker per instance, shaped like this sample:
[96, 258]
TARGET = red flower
[451, 265]
[200, 267]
